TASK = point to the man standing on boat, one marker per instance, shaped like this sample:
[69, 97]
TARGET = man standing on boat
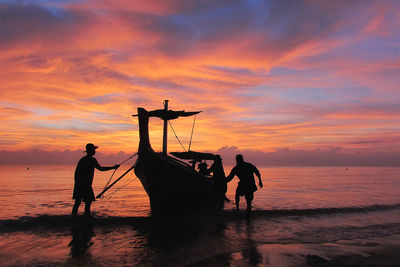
[247, 186]
[84, 174]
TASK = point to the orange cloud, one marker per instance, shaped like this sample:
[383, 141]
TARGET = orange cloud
[266, 75]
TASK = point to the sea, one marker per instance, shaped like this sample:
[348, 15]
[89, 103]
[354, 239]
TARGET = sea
[297, 205]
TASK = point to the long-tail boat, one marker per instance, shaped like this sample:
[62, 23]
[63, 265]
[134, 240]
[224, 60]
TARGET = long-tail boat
[170, 183]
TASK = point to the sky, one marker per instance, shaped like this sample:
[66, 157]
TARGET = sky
[270, 76]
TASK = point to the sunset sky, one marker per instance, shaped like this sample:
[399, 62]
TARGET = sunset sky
[268, 75]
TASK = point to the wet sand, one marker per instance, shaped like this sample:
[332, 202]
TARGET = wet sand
[126, 245]
[373, 251]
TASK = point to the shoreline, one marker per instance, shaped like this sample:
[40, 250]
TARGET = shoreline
[370, 251]
[56, 249]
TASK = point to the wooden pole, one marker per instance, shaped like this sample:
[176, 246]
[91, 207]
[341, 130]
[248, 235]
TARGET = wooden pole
[165, 132]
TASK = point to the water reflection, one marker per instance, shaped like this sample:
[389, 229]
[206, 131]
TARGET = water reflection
[251, 255]
[186, 240]
[82, 234]
[245, 234]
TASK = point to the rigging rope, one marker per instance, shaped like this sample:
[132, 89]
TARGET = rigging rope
[176, 136]
[112, 175]
[128, 158]
[109, 179]
[109, 196]
[191, 135]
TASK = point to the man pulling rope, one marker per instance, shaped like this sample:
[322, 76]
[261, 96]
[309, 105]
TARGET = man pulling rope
[84, 174]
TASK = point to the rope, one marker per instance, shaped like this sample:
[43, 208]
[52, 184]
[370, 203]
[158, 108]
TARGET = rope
[128, 158]
[191, 135]
[112, 175]
[123, 186]
[176, 136]
[109, 180]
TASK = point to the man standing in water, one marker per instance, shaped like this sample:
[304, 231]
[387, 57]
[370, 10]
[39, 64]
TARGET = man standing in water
[84, 174]
[247, 186]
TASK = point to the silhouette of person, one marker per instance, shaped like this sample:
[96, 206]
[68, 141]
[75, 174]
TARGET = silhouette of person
[202, 168]
[218, 175]
[84, 174]
[247, 186]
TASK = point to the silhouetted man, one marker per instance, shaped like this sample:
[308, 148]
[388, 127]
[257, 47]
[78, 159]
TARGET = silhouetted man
[84, 174]
[202, 168]
[247, 186]
[219, 180]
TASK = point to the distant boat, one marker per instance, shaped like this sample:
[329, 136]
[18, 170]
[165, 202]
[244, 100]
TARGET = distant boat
[170, 183]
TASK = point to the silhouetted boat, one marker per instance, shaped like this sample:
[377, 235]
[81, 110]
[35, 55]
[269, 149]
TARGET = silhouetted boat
[171, 184]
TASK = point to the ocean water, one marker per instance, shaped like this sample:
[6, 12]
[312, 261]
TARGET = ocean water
[296, 205]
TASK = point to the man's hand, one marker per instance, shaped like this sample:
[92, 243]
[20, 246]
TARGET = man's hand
[116, 166]
[260, 184]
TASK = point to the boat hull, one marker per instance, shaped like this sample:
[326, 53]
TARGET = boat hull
[172, 186]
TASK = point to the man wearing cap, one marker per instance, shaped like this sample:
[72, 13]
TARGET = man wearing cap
[84, 174]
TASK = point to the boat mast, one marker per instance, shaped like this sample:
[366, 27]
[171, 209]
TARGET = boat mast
[165, 132]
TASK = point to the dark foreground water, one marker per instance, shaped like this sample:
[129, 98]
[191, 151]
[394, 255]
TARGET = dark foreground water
[296, 206]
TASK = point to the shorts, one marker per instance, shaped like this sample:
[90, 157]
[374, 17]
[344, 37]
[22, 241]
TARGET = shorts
[242, 190]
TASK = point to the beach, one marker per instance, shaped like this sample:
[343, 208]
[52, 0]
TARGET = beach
[145, 242]
[378, 251]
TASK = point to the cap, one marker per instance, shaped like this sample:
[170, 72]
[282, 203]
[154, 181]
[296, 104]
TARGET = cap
[90, 146]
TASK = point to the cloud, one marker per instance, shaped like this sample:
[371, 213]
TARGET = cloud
[267, 74]
[329, 157]
[42, 157]
[23, 24]
[281, 157]
[366, 142]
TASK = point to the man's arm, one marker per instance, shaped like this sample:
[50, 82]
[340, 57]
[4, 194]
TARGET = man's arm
[102, 168]
[259, 180]
[210, 170]
[231, 175]
[257, 172]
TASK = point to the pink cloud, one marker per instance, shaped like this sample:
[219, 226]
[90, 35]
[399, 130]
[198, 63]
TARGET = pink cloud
[302, 74]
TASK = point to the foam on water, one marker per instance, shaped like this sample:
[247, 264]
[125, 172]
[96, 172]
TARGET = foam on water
[49, 221]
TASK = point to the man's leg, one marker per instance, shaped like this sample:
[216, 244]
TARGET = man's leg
[249, 198]
[87, 207]
[76, 206]
[237, 200]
